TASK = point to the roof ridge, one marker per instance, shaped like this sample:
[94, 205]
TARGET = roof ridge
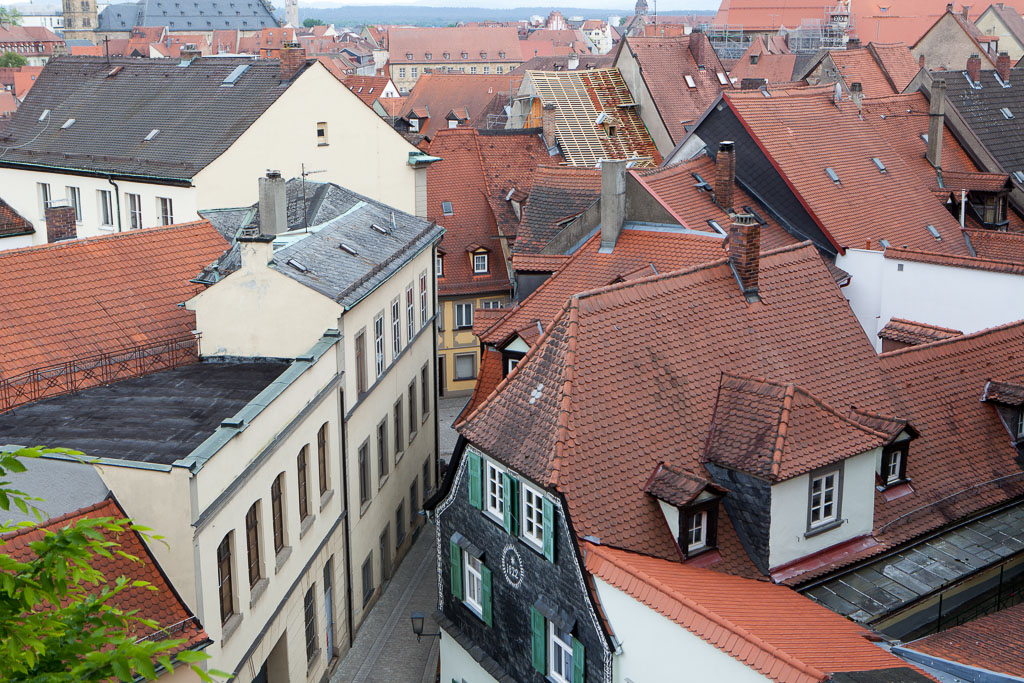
[124, 234]
[928, 325]
[965, 257]
[568, 383]
[59, 519]
[973, 335]
[710, 615]
[782, 429]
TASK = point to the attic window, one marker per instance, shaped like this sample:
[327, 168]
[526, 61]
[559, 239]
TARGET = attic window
[832, 175]
[878, 164]
[152, 134]
[447, 55]
[235, 75]
[297, 266]
[483, 55]
[722, 78]
[465, 55]
[1019, 177]
[765, 93]
[702, 185]
[501, 55]
[894, 463]
[754, 58]
[934, 233]
[924, 136]
[446, 208]
[885, 243]
[347, 249]
[68, 124]
[689, 81]
[408, 55]
[1007, 114]
[429, 55]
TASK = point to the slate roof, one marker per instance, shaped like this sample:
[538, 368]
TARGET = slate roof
[163, 605]
[992, 642]
[97, 295]
[865, 205]
[197, 117]
[338, 216]
[62, 486]
[776, 431]
[13, 223]
[558, 195]
[980, 108]
[664, 65]
[436, 94]
[552, 419]
[194, 15]
[913, 333]
[157, 418]
[769, 628]
[478, 170]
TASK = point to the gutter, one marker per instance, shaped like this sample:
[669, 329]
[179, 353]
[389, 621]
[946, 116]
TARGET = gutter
[47, 168]
[117, 196]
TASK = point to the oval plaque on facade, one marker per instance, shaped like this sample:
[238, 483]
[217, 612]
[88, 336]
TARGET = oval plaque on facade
[512, 566]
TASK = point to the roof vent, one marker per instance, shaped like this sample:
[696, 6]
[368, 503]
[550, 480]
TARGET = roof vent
[702, 184]
[1005, 111]
[152, 134]
[832, 175]
[347, 249]
[297, 266]
[235, 75]
[68, 124]
[716, 226]
[885, 243]
[934, 232]
[44, 115]
[113, 72]
[878, 164]
[383, 231]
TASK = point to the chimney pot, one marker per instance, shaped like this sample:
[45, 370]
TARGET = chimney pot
[548, 123]
[613, 201]
[725, 174]
[745, 254]
[293, 58]
[949, 7]
[1003, 66]
[273, 204]
[574, 60]
[936, 120]
[973, 68]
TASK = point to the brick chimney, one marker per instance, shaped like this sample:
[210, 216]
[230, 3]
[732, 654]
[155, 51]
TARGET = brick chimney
[60, 223]
[697, 47]
[1003, 66]
[273, 204]
[936, 120]
[613, 201]
[857, 94]
[949, 7]
[745, 254]
[548, 123]
[293, 58]
[725, 174]
[974, 68]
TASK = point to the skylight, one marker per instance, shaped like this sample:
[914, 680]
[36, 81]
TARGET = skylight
[765, 93]
[924, 136]
[68, 124]
[832, 175]
[1019, 176]
[44, 115]
[347, 249]
[934, 232]
[885, 243]
[1005, 111]
[878, 164]
[235, 75]
[600, 118]
[297, 266]
[446, 208]
[716, 227]
[722, 79]
[152, 134]
[689, 81]
[701, 183]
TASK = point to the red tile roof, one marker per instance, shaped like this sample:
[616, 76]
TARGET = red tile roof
[572, 436]
[914, 333]
[163, 605]
[11, 222]
[774, 68]
[367, 88]
[897, 62]
[865, 206]
[85, 297]
[538, 263]
[418, 41]
[993, 642]
[771, 629]
[998, 246]
[860, 66]
[665, 63]
[435, 95]
[19, 79]
[955, 261]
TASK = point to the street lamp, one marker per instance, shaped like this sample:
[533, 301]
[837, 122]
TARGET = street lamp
[417, 626]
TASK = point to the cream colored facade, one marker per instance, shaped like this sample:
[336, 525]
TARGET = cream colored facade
[453, 342]
[405, 74]
[991, 24]
[283, 138]
[947, 46]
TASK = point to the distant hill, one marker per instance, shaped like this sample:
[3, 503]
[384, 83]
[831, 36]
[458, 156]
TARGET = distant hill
[357, 15]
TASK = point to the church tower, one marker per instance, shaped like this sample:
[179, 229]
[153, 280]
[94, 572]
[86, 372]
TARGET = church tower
[291, 13]
[80, 19]
[641, 8]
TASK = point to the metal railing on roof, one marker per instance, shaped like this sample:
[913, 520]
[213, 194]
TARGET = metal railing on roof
[97, 370]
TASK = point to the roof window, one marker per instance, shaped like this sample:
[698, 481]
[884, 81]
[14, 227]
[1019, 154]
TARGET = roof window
[429, 55]
[235, 75]
[44, 115]
[924, 136]
[465, 55]
[501, 55]
[600, 118]
[447, 55]
[1007, 114]
[878, 164]
[934, 233]
[68, 124]
[446, 208]
[885, 243]
[702, 184]
[1019, 176]
[716, 226]
[722, 78]
[297, 266]
[764, 92]
[483, 55]
[152, 134]
[347, 249]
[832, 175]
[689, 81]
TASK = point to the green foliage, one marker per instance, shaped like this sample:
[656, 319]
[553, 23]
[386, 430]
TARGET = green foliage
[9, 15]
[310, 23]
[59, 621]
[12, 59]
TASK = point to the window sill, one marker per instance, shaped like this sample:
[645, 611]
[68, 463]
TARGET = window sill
[363, 508]
[257, 590]
[282, 557]
[398, 456]
[413, 435]
[823, 528]
[312, 662]
[323, 144]
[229, 627]
[106, 228]
[383, 480]
[326, 498]
[306, 525]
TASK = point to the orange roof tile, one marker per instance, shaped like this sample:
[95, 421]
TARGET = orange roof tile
[998, 246]
[435, 95]
[85, 297]
[474, 41]
[774, 68]
[860, 66]
[163, 605]
[367, 88]
[11, 222]
[538, 263]
[897, 62]
[977, 263]
[770, 628]
[913, 333]
[993, 642]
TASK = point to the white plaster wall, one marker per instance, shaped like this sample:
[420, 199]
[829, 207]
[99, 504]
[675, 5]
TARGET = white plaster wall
[363, 153]
[656, 649]
[17, 242]
[21, 191]
[671, 513]
[790, 499]
[458, 665]
[865, 289]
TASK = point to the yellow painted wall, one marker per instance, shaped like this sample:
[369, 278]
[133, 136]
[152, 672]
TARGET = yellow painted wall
[451, 341]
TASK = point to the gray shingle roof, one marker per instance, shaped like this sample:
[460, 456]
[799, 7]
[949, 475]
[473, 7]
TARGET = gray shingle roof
[189, 15]
[980, 108]
[336, 216]
[197, 116]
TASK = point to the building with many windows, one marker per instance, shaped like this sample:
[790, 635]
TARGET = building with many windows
[463, 49]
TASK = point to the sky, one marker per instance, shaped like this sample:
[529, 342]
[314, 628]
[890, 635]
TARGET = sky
[619, 5]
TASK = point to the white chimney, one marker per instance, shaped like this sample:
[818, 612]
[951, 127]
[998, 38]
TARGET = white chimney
[273, 206]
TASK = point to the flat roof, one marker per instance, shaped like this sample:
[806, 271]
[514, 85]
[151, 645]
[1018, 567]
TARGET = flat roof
[157, 418]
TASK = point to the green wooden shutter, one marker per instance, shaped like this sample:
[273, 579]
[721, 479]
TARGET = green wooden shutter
[456, 569]
[511, 490]
[485, 594]
[578, 661]
[539, 643]
[549, 530]
[475, 487]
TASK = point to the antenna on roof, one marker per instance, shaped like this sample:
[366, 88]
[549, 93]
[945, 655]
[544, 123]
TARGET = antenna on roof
[393, 221]
[305, 217]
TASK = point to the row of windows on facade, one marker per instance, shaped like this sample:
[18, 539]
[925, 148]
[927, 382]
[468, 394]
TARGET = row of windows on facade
[24, 48]
[362, 383]
[523, 511]
[416, 418]
[481, 262]
[105, 206]
[448, 55]
[486, 69]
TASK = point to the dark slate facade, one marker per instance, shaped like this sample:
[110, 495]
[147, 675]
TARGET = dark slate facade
[756, 175]
[749, 505]
[521, 579]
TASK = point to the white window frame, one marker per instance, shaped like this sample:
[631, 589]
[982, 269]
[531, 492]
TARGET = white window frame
[423, 298]
[75, 200]
[410, 314]
[478, 259]
[439, 266]
[1020, 425]
[461, 315]
[134, 211]
[697, 531]
[824, 519]
[492, 304]
[895, 466]
[472, 579]
[453, 124]
[494, 490]
[378, 343]
[396, 327]
[558, 647]
[532, 527]
[106, 207]
[45, 197]
[165, 210]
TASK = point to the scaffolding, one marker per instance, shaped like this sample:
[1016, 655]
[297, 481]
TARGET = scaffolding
[730, 42]
[831, 32]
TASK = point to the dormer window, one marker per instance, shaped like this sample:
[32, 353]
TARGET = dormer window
[1020, 425]
[408, 55]
[447, 55]
[439, 266]
[479, 263]
[465, 55]
[428, 55]
[823, 503]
